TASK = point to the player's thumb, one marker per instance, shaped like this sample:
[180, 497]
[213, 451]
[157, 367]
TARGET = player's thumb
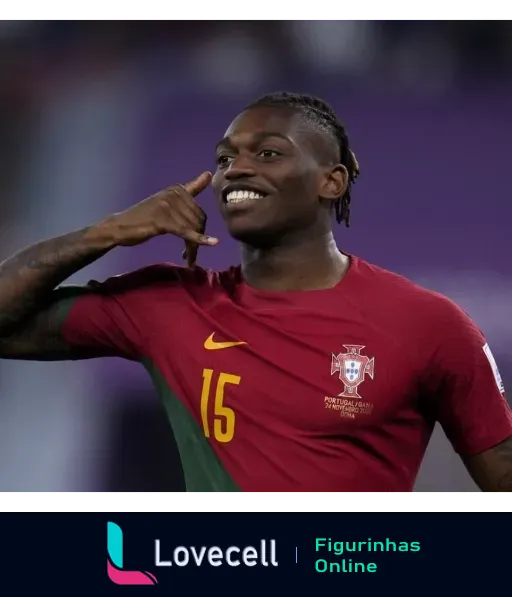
[194, 187]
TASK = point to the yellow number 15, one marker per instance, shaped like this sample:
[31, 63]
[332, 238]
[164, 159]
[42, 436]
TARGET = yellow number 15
[223, 416]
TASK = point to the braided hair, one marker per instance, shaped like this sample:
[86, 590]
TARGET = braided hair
[320, 114]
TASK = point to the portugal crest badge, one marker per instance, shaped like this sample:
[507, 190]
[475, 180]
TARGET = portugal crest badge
[352, 367]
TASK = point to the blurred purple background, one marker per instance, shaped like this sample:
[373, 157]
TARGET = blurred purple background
[96, 116]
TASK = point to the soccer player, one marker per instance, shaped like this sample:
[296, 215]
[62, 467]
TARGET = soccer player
[304, 368]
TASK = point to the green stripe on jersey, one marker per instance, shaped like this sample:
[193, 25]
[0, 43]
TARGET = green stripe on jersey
[202, 469]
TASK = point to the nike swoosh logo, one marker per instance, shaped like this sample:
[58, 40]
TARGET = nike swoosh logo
[210, 344]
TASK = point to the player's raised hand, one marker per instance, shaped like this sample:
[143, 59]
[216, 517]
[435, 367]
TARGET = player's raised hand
[170, 211]
[194, 187]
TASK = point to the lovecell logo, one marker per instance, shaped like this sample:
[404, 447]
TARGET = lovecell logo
[115, 570]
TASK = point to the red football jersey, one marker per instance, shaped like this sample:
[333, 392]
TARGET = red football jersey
[324, 390]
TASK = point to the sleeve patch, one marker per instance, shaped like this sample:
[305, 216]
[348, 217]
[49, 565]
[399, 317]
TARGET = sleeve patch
[494, 366]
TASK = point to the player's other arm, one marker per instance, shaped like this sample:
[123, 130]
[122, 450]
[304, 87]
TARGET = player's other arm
[32, 307]
[492, 469]
[470, 401]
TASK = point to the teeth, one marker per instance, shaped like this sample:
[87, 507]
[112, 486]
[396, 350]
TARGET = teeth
[238, 196]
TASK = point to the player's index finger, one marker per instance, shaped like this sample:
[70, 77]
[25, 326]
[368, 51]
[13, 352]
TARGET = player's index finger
[194, 187]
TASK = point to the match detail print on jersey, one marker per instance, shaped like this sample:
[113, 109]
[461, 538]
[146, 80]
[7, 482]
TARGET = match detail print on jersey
[352, 367]
[211, 344]
[494, 366]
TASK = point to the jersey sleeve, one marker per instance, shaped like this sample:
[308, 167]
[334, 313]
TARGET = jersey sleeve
[465, 385]
[116, 316]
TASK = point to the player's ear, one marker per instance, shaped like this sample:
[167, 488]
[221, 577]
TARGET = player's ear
[333, 183]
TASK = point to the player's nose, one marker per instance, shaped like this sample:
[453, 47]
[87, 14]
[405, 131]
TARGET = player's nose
[240, 167]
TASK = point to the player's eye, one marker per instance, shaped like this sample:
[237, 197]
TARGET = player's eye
[223, 160]
[269, 153]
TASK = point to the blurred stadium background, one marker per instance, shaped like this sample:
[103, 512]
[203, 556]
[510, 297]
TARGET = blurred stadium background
[97, 115]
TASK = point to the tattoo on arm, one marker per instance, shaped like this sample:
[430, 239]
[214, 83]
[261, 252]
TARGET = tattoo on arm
[29, 306]
[28, 278]
[492, 470]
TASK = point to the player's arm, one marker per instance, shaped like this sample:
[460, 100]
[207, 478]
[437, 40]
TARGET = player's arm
[41, 337]
[469, 399]
[492, 470]
[30, 309]
[31, 305]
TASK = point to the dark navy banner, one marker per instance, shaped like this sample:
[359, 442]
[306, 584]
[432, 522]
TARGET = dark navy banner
[245, 554]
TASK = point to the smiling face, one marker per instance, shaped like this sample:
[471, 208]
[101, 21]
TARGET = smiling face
[274, 175]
